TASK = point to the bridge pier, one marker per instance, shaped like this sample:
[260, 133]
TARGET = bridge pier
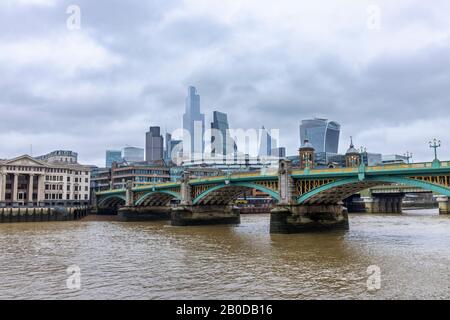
[290, 217]
[137, 214]
[384, 204]
[192, 215]
[104, 211]
[444, 205]
[287, 219]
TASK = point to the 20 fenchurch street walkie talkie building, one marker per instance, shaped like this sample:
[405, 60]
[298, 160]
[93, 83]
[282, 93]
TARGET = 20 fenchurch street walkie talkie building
[322, 134]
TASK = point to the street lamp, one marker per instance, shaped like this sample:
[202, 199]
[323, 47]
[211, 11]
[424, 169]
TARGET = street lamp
[435, 144]
[408, 156]
[362, 151]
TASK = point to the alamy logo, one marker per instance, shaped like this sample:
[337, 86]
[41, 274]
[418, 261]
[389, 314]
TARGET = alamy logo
[74, 20]
[373, 17]
[374, 279]
[73, 282]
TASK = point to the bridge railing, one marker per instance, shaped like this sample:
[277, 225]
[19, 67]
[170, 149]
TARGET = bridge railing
[387, 167]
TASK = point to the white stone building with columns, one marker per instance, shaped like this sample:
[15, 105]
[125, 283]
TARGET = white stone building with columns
[26, 181]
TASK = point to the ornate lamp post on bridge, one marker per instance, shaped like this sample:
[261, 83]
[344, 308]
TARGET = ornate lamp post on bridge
[408, 156]
[363, 151]
[435, 144]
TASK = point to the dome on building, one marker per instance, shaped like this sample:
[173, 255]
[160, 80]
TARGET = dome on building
[307, 145]
[351, 149]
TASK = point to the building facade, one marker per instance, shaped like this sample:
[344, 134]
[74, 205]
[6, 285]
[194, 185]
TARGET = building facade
[139, 174]
[395, 159]
[193, 125]
[60, 156]
[322, 134]
[194, 172]
[100, 179]
[26, 181]
[154, 145]
[279, 152]
[133, 154]
[113, 156]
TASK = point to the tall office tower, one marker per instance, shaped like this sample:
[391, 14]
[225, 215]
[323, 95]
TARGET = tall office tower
[154, 145]
[113, 156]
[167, 147]
[221, 141]
[322, 134]
[133, 154]
[266, 143]
[194, 124]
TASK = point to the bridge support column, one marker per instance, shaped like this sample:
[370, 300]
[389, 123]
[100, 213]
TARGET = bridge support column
[188, 214]
[384, 204]
[290, 217]
[135, 214]
[308, 218]
[444, 205]
[104, 211]
[372, 205]
[192, 215]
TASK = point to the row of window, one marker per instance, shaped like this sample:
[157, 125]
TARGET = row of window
[60, 178]
[59, 197]
[49, 170]
[141, 171]
[13, 168]
[60, 187]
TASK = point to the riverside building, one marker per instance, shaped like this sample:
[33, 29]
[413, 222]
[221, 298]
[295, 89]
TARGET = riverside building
[55, 179]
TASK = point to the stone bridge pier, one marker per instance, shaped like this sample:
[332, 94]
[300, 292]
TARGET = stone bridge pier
[132, 213]
[444, 205]
[290, 217]
[188, 214]
[384, 203]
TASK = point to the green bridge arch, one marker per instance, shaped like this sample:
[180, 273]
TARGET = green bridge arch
[382, 179]
[111, 197]
[147, 195]
[258, 187]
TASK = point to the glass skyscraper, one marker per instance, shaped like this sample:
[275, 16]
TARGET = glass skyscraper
[113, 156]
[221, 141]
[322, 134]
[194, 124]
[267, 143]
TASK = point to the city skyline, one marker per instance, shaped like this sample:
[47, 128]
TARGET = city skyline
[62, 87]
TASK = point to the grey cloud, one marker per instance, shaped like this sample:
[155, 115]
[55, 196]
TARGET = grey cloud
[275, 82]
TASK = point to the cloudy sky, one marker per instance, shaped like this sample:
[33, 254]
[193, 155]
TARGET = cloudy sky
[264, 62]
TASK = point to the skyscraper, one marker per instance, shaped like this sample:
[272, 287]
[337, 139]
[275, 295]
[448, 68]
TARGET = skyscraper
[113, 156]
[154, 145]
[168, 146]
[194, 124]
[266, 143]
[221, 141]
[322, 134]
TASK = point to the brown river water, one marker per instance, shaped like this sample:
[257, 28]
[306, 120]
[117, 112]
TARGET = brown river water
[153, 260]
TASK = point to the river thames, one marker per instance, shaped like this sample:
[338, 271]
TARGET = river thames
[153, 260]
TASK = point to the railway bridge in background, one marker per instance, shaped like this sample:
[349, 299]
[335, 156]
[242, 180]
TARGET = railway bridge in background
[306, 200]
